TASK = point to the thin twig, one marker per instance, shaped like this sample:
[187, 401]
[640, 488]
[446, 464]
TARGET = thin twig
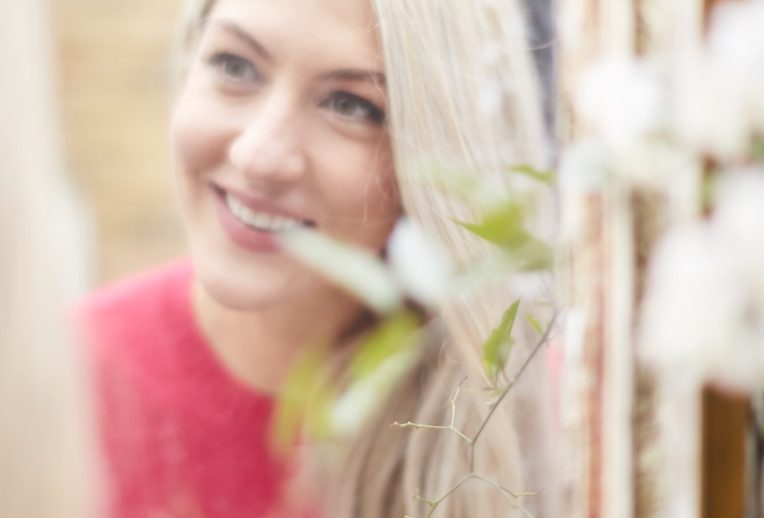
[434, 504]
[454, 398]
[514, 497]
[510, 494]
[505, 392]
[451, 427]
[431, 427]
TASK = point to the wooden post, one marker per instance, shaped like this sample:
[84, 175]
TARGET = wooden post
[724, 454]
[724, 429]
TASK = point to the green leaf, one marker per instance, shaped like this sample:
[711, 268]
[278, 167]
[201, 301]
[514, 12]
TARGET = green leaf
[356, 270]
[304, 400]
[535, 324]
[497, 348]
[396, 334]
[757, 150]
[362, 397]
[545, 177]
[532, 256]
[504, 227]
[381, 359]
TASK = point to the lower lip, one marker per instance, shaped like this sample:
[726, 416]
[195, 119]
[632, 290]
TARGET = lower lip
[241, 234]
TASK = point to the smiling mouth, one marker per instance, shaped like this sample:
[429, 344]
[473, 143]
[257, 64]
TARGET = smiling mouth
[262, 221]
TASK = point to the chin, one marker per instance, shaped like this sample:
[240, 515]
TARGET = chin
[240, 292]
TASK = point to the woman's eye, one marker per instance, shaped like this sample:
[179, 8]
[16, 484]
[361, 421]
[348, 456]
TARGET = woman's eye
[233, 68]
[352, 107]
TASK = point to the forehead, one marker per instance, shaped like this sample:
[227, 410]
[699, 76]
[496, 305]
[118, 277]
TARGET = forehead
[337, 27]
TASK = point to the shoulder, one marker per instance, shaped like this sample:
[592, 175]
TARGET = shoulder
[138, 307]
[139, 288]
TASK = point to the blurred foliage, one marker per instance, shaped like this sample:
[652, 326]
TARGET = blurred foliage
[504, 226]
[396, 334]
[356, 270]
[535, 324]
[304, 401]
[545, 177]
[316, 404]
[497, 348]
[757, 150]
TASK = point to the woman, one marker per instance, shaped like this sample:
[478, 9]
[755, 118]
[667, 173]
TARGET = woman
[309, 114]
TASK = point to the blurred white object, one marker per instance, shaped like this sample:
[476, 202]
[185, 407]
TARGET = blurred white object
[420, 265]
[47, 453]
[620, 100]
[718, 102]
[356, 270]
[703, 315]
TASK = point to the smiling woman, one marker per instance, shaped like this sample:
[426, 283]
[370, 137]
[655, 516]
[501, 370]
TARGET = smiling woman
[280, 123]
[291, 114]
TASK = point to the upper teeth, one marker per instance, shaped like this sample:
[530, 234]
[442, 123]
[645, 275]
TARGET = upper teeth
[259, 220]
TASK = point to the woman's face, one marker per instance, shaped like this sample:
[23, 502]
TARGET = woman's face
[280, 124]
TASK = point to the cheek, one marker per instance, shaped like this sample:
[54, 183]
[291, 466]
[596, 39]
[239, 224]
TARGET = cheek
[198, 143]
[364, 185]
[382, 195]
[362, 200]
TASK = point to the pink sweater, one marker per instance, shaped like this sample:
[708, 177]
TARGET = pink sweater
[182, 439]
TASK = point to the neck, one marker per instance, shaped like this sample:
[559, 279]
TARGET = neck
[260, 347]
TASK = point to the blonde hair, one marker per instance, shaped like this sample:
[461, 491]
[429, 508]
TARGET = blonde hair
[445, 60]
[47, 464]
[439, 68]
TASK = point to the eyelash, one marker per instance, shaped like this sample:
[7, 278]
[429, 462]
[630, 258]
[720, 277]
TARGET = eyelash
[371, 112]
[221, 60]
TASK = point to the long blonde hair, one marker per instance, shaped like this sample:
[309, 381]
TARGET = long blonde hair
[445, 61]
[442, 59]
[47, 457]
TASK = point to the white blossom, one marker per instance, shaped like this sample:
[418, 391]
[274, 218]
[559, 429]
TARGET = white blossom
[736, 47]
[691, 307]
[703, 315]
[420, 265]
[738, 223]
[621, 101]
[654, 163]
[718, 99]
[356, 270]
[583, 168]
[711, 116]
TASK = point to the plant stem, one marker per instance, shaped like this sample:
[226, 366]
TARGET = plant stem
[505, 392]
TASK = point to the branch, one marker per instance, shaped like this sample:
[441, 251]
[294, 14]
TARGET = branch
[511, 495]
[514, 497]
[434, 504]
[451, 427]
[505, 392]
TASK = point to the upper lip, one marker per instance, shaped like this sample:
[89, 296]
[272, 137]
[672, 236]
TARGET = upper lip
[257, 204]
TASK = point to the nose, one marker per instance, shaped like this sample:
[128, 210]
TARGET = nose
[269, 145]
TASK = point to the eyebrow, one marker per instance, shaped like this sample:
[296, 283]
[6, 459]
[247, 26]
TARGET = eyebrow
[344, 74]
[243, 35]
[356, 75]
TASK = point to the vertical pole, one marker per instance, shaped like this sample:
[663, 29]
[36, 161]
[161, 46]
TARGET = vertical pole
[726, 418]
[599, 349]
[724, 454]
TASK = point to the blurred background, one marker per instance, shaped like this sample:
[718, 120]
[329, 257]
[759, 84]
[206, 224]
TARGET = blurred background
[115, 69]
